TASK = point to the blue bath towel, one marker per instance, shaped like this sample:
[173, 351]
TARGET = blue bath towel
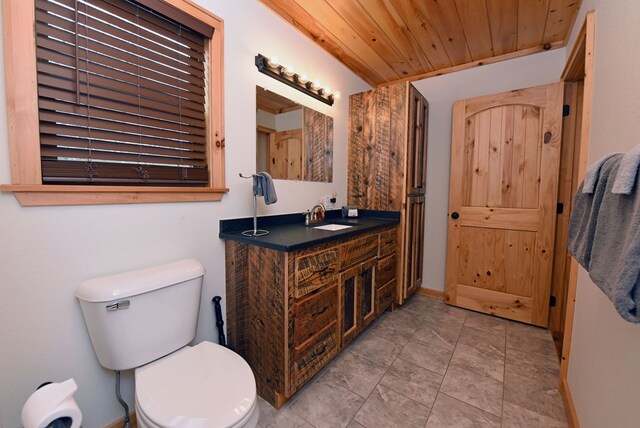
[593, 172]
[263, 186]
[604, 236]
[626, 176]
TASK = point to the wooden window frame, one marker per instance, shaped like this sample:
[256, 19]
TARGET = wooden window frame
[23, 125]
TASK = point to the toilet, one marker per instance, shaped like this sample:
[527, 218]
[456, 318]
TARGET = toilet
[144, 320]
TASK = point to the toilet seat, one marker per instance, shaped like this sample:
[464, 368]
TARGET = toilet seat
[202, 386]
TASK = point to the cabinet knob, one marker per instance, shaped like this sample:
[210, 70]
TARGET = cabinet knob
[455, 215]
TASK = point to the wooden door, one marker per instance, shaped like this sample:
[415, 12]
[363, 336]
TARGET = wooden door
[285, 154]
[417, 142]
[502, 204]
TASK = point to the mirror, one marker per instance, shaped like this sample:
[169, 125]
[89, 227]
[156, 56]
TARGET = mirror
[293, 142]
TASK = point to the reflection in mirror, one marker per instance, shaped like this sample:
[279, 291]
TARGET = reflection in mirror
[293, 142]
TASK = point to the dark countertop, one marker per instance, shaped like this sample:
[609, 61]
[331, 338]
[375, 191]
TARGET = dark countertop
[288, 232]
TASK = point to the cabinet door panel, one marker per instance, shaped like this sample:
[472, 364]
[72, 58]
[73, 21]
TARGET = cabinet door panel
[414, 244]
[417, 143]
[367, 287]
[349, 304]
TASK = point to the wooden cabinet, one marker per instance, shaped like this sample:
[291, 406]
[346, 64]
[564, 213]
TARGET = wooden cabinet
[290, 313]
[387, 168]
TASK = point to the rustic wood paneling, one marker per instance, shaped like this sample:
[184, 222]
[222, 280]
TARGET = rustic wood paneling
[503, 20]
[386, 297]
[315, 354]
[444, 17]
[386, 270]
[388, 242]
[314, 313]
[386, 41]
[265, 317]
[316, 270]
[475, 23]
[236, 257]
[317, 146]
[532, 19]
[358, 250]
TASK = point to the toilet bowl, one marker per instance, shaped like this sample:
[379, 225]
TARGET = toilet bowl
[202, 386]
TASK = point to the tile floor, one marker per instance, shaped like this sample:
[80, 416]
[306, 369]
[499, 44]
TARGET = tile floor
[432, 365]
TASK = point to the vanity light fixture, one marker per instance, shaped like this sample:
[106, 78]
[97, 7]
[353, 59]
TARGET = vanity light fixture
[285, 74]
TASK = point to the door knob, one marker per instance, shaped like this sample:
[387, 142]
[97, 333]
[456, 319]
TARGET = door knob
[455, 215]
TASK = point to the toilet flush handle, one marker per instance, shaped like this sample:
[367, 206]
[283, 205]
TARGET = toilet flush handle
[122, 304]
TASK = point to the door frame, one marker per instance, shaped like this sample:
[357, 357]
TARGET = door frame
[578, 69]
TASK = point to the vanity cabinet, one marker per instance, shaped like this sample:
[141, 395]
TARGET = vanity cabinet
[290, 313]
[387, 168]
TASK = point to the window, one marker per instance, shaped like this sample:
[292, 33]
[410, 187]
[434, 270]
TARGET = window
[121, 101]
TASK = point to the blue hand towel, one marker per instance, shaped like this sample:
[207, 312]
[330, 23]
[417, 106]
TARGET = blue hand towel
[604, 236]
[263, 186]
[626, 177]
[593, 172]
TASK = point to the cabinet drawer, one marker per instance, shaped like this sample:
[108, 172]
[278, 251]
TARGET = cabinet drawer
[315, 313]
[386, 296]
[316, 270]
[386, 270]
[358, 250]
[311, 357]
[388, 241]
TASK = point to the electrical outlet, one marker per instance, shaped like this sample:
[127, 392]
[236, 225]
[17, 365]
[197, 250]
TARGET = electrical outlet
[330, 201]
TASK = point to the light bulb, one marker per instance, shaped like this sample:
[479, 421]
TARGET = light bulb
[302, 78]
[336, 95]
[317, 85]
[289, 69]
[274, 61]
[327, 90]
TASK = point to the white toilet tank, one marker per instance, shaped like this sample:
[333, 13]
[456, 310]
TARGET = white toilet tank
[136, 317]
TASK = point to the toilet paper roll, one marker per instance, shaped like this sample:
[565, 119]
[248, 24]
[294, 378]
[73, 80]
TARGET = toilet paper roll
[52, 402]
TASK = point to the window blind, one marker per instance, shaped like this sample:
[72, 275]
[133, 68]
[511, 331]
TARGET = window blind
[122, 95]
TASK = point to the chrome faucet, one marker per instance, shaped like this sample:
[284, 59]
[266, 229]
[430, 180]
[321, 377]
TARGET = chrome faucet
[314, 215]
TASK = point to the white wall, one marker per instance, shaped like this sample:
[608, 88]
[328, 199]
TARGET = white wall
[441, 92]
[46, 252]
[604, 373]
[289, 120]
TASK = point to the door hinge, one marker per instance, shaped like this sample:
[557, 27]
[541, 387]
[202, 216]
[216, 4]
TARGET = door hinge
[566, 110]
[552, 301]
[560, 208]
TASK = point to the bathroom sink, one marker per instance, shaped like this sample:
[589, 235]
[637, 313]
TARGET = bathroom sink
[332, 227]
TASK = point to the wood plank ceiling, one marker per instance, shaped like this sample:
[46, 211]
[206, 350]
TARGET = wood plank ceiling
[385, 41]
[274, 103]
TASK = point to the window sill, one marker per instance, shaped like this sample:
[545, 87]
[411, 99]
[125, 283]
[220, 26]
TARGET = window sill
[40, 195]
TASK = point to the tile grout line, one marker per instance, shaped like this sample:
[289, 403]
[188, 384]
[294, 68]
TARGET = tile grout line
[374, 387]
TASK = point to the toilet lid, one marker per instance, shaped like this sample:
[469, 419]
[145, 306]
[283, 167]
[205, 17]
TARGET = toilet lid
[203, 386]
